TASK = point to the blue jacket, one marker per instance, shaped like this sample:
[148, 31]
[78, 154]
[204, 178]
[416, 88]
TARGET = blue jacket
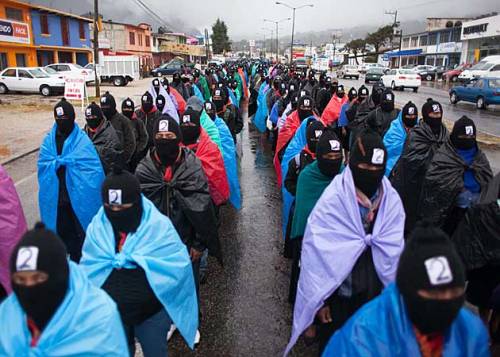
[84, 177]
[259, 118]
[394, 141]
[230, 164]
[86, 324]
[343, 121]
[156, 248]
[382, 328]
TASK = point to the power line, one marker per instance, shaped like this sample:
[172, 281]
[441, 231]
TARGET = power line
[151, 12]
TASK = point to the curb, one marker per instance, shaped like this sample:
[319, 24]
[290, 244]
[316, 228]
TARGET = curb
[17, 157]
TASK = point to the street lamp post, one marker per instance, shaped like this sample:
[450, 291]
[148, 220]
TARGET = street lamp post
[272, 36]
[277, 33]
[293, 21]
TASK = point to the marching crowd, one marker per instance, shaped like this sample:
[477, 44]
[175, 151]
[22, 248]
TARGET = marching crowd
[390, 222]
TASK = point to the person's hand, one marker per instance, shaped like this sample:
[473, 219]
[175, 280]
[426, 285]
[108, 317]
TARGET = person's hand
[195, 254]
[324, 315]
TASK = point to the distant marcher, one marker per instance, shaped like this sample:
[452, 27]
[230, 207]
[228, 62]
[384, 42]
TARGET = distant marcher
[140, 133]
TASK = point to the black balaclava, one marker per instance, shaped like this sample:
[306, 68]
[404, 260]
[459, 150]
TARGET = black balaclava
[196, 73]
[190, 126]
[328, 83]
[119, 188]
[156, 85]
[41, 250]
[432, 114]
[167, 149]
[463, 134]
[430, 262]
[160, 103]
[93, 115]
[210, 110]
[340, 91]
[387, 101]
[108, 105]
[234, 84]
[219, 100]
[128, 108]
[147, 102]
[410, 115]
[305, 107]
[377, 95]
[166, 85]
[176, 78]
[64, 115]
[352, 94]
[313, 133]
[363, 93]
[329, 142]
[368, 149]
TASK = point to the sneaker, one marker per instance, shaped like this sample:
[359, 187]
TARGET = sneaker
[171, 331]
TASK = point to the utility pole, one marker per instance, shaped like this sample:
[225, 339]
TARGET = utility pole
[277, 33]
[96, 48]
[207, 46]
[399, 33]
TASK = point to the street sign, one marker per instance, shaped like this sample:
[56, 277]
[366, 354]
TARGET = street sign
[75, 88]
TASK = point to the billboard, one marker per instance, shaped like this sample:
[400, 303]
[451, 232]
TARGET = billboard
[13, 31]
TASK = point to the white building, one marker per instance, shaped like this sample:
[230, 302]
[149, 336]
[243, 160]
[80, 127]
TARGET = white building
[480, 38]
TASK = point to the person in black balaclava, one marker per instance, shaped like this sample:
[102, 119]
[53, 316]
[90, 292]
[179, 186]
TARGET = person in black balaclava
[209, 108]
[457, 174]
[148, 114]
[422, 143]
[305, 157]
[362, 110]
[352, 94]
[381, 117]
[167, 141]
[227, 112]
[190, 127]
[324, 95]
[121, 124]
[409, 115]
[68, 225]
[104, 138]
[340, 91]
[179, 86]
[156, 85]
[140, 132]
[49, 268]
[329, 154]
[367, 162]
[305, 107]
[160, 103]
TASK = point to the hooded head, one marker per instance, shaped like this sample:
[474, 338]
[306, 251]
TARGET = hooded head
[432, 115]
[305, 107]
[165, 84]
[234, 84]
[377, 95]
[147, 103]
[93, 116]
[463, 134]
[313, 133]
[40, 274]
[210, 110]
[156, 85]
[167, 139]
[160, 103]
[108, 105]
[431, 279]
[352, 94]
[219, 100]
[387, 101]
[409, 115]
[329, 153]
[176, 78]
[190, 126]
[334, 86]
[367, 162]
[121, 197]
[363, 93]
[128, 108]
[340, 91]
[64, 115]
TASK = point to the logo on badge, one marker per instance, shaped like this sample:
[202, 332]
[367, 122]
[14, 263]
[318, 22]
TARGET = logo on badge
[88, 112]
[438, 270]
[103, 100]
[186, 119]
[27, 258]
[411, 110]
[59, 111]
[307, 102]
[436, 108]
[208, 106]
[469, 130]
[145, 98]
[115, 197]
[378, 156]
[318, 133]
[163, 126]
[334, 145]
[129, 103]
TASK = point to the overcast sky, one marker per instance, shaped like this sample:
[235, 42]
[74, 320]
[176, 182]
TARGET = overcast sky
[245, 17]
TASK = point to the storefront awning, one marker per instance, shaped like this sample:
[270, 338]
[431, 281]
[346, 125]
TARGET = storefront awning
[403, 53]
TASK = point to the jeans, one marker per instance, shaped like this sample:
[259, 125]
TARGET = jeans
[204, 264]
[152, 334]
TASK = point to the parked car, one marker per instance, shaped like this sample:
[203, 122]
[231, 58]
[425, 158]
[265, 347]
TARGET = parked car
[119, 70]
[51, 72]
[401, 79]
[171, 67]
[374, 74]
[426, 72]
[348, 70]
[482, 91]
[487, 67]
[300, 63]
[366, 66]
[71, 69]
[452, 74]
[29, 79]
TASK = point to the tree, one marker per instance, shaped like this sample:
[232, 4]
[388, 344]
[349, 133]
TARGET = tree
[220, 40]
[380, 37]
[356, 46]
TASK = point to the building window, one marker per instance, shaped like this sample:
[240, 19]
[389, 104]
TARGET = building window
[82, 29]
[148, 41]
[406, 42]
[444, 36]
[414, 41]
[131, 38]
[139, 39]
[3, 61]
[432, 39]
[44, 24]
[423, 40]
[154, 41]
[20, 60]
[14, 14]
[455, 34]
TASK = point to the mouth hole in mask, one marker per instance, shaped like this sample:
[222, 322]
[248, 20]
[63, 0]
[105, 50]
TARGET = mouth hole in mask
[441, 294]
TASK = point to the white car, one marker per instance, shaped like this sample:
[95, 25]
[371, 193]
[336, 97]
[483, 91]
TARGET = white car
[487, 67]
[26, 79]
[348, 70]
[366, 66]
[51, 73]
[401, 78]
[73, 70]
